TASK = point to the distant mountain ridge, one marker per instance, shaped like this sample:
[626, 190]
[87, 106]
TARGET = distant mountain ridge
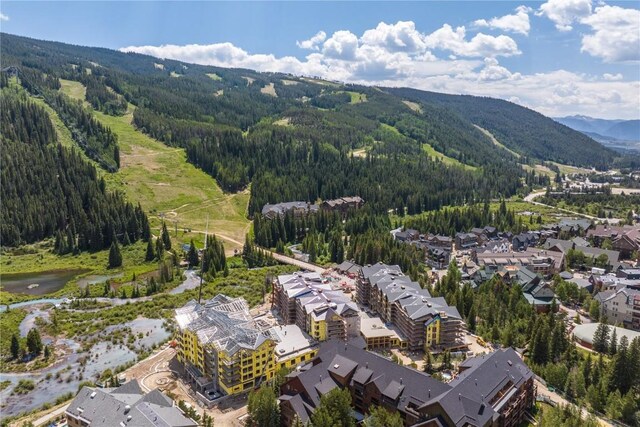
[626, 130]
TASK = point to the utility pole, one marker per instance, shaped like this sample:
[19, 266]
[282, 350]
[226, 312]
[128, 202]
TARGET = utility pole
[204, 254]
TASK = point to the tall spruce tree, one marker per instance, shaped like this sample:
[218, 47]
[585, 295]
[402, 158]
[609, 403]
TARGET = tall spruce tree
[115, 257]
[166, 239]
[192, 255]
[34, 342]
[601, 338]
[15, 346]
[149, 255]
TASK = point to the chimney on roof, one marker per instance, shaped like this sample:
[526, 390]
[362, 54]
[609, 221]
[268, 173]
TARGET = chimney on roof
[429, 393]
[401, 380]
[459, 396]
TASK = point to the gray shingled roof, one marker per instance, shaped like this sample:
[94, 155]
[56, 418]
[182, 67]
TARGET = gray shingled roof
[468, 399]
[126, 405]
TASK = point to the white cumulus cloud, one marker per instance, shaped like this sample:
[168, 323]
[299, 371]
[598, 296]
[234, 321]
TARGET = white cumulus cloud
[481, 45]
[612, 77]
[401, 36]
[314, 42]
[563, 13]
[3, 17]
[517, 23]
[616, 36]
[341, 45]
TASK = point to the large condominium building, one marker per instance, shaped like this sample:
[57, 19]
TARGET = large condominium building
[425, 322]
[305, 299]
[223, 348]
[491, 390]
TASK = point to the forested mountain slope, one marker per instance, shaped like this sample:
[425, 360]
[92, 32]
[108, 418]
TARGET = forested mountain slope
[292, 138]
[520, 129]
[49, 190]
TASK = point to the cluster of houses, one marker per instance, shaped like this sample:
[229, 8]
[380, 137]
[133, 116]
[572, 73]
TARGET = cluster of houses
[342, 205]
[531, 257]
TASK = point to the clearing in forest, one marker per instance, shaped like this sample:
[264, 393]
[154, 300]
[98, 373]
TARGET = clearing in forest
[413, 105]
[166, 185]
[269, 89]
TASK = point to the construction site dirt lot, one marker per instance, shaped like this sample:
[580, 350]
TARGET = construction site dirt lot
[162, 371]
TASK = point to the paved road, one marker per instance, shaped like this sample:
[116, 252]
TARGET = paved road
[533, 195]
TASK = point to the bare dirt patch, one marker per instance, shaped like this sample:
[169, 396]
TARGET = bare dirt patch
[269, 89]
[289, 82]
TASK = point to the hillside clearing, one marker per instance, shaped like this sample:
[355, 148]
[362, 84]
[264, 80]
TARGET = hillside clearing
[289, 82]
[444, 158]
[285, 121]
[566, 169]
[161, 180]
[357, 97]
[495, 141]
[269, 89]
[214, 76]
[540, 170]
[360, 152]
[413, 105]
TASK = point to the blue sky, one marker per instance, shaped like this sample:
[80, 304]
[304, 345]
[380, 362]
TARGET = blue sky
[559, 57]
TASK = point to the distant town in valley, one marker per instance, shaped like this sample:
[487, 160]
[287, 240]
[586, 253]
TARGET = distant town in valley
[251, 245]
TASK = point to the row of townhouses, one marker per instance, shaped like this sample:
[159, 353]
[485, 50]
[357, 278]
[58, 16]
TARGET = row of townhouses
[298, 208]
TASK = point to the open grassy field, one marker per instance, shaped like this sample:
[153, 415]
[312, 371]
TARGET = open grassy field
[214, 76]
[566, 169]
[540, 170]
[357, 97]
[167, 186]
[519, 206]
[444, 158]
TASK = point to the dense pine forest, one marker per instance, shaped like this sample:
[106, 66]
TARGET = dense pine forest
[292, 138]
[50, 190]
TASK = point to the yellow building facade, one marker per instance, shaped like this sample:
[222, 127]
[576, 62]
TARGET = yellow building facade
[223, 348]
